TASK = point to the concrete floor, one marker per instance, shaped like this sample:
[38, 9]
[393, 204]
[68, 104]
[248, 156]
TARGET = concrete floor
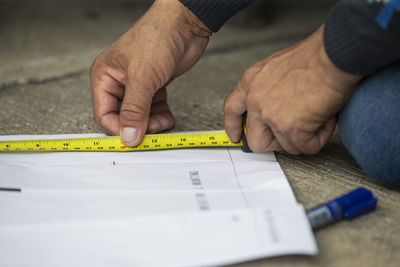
[45, 53]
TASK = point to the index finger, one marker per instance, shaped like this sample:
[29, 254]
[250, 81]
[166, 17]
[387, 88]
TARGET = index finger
[234, 108]
[107, 93]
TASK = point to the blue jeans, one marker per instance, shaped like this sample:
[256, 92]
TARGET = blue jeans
[369, 125]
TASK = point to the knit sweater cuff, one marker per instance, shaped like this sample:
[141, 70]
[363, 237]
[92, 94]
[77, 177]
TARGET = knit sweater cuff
[214, 13]
[354, 41]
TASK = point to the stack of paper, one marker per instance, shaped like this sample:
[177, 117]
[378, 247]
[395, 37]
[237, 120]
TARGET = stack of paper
[186, 207]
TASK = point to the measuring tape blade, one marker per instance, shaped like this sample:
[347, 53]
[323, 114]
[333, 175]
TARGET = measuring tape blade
[113, 143]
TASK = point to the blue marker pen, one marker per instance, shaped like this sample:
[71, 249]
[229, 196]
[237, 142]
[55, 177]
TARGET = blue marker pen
[351, 205]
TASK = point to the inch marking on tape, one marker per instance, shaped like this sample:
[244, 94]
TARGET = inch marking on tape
[113, 143]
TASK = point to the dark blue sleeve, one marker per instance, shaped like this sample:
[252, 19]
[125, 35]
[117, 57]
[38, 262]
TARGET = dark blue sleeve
[214, 13]
[362, 36]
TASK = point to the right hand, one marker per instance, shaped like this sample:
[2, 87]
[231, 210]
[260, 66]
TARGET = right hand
[291, 98]
[128, 79]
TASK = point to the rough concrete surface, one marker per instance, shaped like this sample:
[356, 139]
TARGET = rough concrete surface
[46, 49]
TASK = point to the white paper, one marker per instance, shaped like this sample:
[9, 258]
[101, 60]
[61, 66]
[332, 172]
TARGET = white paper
[199, 239]
[123, 208]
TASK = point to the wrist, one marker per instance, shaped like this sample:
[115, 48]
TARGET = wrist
[334, 76]
[183, 18]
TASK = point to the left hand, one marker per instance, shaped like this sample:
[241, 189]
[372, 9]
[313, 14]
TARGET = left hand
[129, 79]
[291, 98]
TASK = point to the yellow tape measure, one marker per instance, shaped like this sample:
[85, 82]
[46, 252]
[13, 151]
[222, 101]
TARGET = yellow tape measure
[113, 143]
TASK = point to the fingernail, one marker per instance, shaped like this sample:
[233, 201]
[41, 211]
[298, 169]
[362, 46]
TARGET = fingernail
[129, 135]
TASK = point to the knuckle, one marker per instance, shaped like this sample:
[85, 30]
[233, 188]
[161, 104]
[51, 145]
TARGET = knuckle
[97, 72]
[234, 104]
[101, 120]
[98, 119]
[249, 74]
[252, 71]
[252, 100]
[284, 126]
[266, 115]
[257, 147]
[150, 76]
[263, 145]
[229, 107]
[131, 112]
[96, 63]
[307, 144]
[97, 114]
[285, 129]
[274, 59]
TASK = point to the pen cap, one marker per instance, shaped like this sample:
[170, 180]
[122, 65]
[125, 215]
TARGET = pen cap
[357, 202]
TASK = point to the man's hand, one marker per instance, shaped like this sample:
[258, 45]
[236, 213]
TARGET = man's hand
[291, 98]
[129, 79]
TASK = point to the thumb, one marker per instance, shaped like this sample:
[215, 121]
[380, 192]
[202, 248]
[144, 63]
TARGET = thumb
[135, 109]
